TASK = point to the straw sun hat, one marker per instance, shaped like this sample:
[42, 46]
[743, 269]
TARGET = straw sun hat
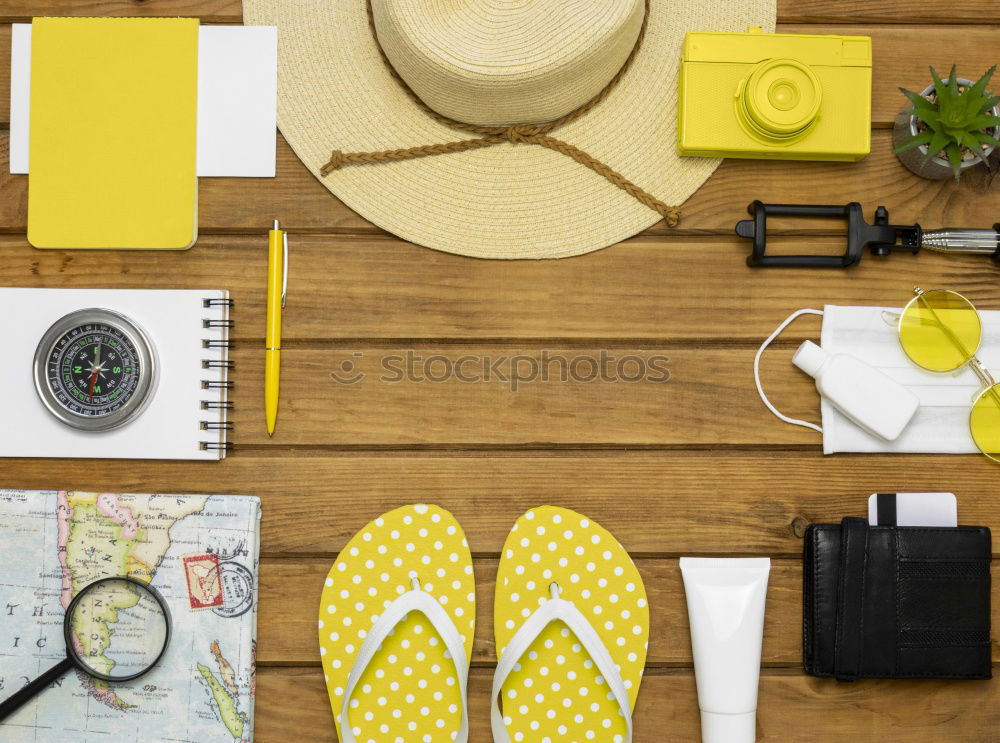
[495, 128]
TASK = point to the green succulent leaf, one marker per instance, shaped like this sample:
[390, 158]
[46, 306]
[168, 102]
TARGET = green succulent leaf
[938, 141]
[918, 101]
[978, 90]
[969, 141]
[989, 139]
[972, 143]
[987, 103]
[952, 117]
[952, 152]
[923, 137]
[982, 122]
[953, 82]
[954, 159]
[939, 87]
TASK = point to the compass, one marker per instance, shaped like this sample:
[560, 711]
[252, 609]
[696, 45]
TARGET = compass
[95, 369]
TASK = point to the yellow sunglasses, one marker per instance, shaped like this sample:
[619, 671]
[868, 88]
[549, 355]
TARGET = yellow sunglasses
[940, 330]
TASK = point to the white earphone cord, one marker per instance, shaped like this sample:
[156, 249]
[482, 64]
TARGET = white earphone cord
[756, 370]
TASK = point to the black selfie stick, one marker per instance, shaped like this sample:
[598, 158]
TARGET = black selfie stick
[881, 238]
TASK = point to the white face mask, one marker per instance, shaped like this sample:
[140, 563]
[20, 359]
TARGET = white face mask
[940, 425]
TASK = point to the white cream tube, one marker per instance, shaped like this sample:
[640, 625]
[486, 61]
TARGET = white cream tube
[725, 599]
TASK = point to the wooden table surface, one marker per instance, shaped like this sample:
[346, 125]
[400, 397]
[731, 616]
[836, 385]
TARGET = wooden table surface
[692, 466]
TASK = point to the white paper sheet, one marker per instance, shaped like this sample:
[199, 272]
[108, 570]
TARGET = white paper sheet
[20, 96]
[237, 100]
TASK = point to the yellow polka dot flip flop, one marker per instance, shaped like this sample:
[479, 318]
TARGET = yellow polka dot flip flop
[571, 624]
[396, 625]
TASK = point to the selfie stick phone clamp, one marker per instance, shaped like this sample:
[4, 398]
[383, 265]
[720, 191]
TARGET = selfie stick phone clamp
[881, 238]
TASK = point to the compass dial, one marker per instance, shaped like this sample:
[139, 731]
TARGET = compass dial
[95, 369]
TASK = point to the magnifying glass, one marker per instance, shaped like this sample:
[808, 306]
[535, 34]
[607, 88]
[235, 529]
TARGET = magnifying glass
[116, 630]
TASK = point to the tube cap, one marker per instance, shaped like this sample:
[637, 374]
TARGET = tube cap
[809, 358]
[719, 728]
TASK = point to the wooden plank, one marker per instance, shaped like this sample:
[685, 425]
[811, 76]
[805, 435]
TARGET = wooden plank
[878, 179]
[499, 395]
[938, 12]
[901, 57]
[5, 34]
[657, 503]
[290, 594]
[210, 11]
[359, 289]
[934, 12]
[534, 396]
[292, 704]
[303, 204]
[902, 54]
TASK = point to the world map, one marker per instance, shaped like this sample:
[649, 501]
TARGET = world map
[55, 543]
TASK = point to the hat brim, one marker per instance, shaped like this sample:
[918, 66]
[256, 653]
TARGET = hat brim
[506, 201]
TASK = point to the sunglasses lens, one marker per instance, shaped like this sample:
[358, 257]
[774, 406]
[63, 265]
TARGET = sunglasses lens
[940, 330]
[985, 422]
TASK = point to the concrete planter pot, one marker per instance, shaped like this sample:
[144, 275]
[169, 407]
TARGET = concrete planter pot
[915, 160]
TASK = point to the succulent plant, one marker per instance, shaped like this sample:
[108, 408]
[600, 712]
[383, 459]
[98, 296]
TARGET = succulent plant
[955, 118]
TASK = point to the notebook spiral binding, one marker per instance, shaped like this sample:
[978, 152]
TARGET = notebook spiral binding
[216, 426]
[216, 446]
[217, 302]
[211, 384]
[222, 366]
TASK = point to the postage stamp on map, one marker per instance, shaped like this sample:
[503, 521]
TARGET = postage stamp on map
[237, 589]
[204, 584]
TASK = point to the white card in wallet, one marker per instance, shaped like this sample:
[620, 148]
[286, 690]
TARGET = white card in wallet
[912, 509]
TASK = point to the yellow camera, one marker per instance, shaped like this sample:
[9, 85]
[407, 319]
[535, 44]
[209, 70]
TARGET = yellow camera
[775, 96]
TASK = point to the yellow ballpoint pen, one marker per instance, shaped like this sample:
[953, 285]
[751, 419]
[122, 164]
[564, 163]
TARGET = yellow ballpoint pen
[277, 291]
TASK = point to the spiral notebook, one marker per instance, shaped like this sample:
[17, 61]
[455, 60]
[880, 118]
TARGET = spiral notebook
[200, 552]
[187, 416]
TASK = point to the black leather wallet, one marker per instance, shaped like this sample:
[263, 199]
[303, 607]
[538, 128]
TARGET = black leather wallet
[896, 601]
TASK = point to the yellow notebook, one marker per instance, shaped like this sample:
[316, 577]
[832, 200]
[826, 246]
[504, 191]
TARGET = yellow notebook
[113, 132]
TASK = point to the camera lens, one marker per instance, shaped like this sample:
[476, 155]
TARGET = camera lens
[779, 100]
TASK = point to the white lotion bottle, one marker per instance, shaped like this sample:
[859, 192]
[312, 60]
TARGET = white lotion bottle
[725, 600]
[872, 400]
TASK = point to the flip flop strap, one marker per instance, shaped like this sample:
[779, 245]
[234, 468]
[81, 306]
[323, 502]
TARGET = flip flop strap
[397, 611]
[556, 609]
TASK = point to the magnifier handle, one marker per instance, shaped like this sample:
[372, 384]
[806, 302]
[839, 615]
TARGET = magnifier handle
[10, 705]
